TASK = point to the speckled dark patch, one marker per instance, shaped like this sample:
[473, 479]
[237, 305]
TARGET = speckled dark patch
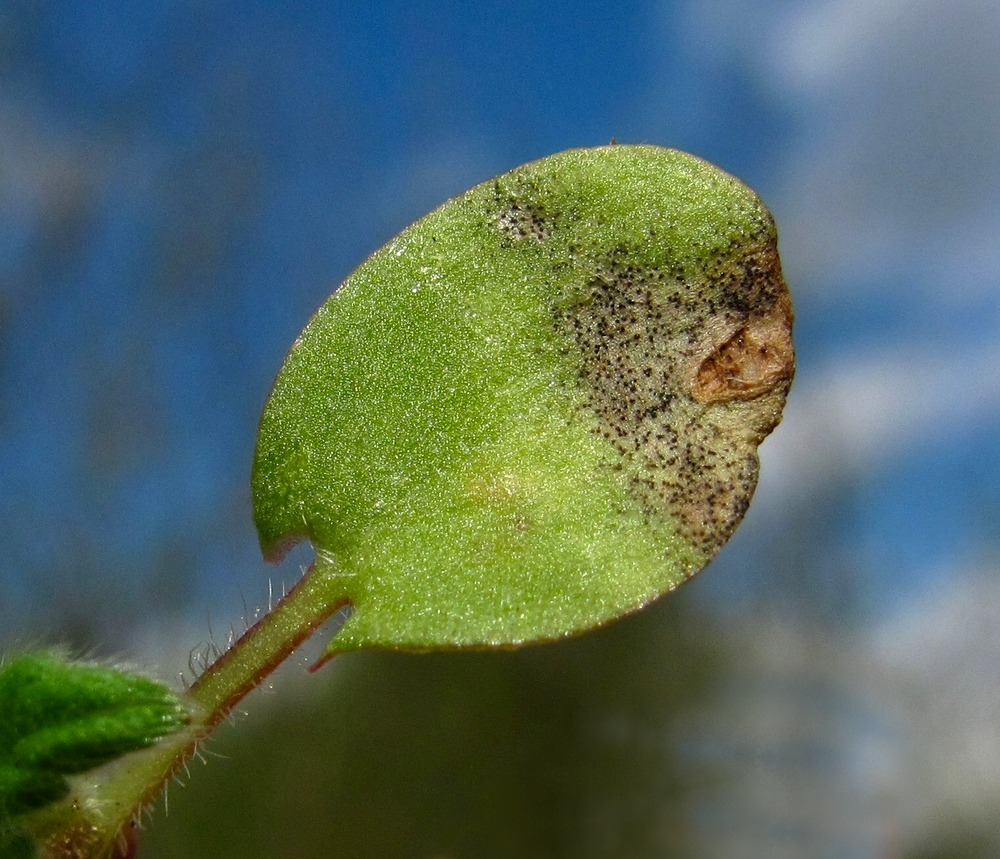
[522, 222]
[521, 216]
[686, 373]
[684, 367]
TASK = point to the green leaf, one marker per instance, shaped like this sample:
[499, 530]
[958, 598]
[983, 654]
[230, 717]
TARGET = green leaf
[15, 846]
[59, 718]
[537, 408]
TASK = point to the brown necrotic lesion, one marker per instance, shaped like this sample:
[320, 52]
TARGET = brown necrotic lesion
[757, 357]
[686, 372]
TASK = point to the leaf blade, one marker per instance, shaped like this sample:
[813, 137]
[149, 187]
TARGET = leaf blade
[537, 408]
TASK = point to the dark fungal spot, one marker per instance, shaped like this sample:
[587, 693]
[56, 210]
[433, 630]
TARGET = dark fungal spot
[520, 221]
[685, 374]
[520, 212]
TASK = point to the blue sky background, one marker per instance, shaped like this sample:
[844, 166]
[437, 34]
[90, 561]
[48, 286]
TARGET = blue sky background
[182, 184]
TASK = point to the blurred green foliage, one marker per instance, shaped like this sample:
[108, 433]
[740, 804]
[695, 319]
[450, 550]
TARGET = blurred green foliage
[561, 750]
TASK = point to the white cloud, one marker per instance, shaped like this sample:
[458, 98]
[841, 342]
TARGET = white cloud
[938, 658]
[858, 415]
[825, 41]
[900, 166]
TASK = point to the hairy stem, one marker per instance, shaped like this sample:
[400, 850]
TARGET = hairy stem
[105, 808]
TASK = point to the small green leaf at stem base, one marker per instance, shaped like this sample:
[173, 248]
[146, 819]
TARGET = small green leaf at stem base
[60, 718]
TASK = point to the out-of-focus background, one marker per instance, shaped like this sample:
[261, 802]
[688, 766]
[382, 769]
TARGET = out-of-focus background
[182, 184]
